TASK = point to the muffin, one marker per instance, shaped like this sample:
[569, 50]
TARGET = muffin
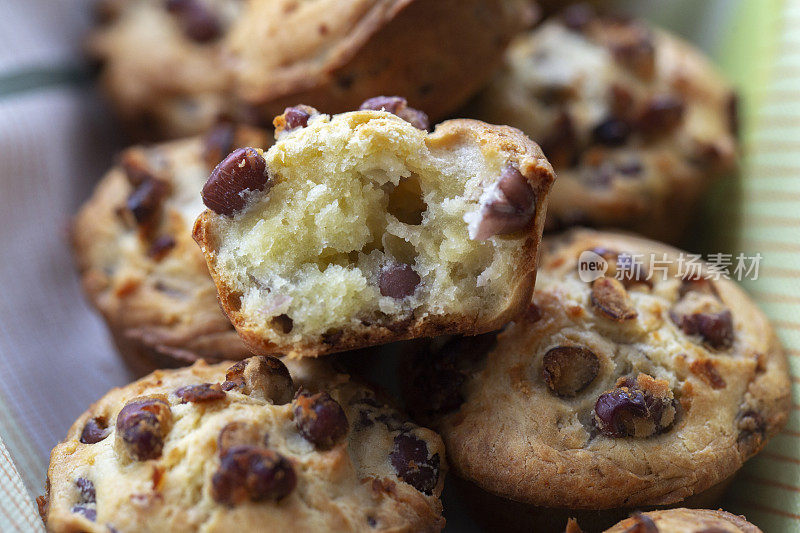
[640, 388]
[685, 521]
[549, 7]
[138, 263]
[248, 60]
[363, 228]
[255, 446]
[636, 122]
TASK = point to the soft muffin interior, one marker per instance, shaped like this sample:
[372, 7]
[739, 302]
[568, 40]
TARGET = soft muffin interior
[351, 195]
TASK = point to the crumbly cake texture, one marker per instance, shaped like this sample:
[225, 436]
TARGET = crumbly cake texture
[683, 521]
[360, 229]
[250, 446]
[609, 394]
[637, 123]
[248, 60]
[138, 263]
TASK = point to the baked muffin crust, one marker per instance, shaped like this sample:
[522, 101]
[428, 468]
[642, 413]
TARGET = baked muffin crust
[251, 445]
[686, 521]
[572, 407]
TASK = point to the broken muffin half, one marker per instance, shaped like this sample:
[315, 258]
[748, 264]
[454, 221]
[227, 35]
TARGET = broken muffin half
[364, 228]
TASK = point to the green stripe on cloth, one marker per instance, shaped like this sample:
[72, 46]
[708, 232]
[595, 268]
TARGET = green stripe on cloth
[28, 80]
[758, 213]
[748, 51]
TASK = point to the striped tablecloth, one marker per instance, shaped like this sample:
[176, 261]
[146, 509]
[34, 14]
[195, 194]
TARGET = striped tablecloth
[761, 213]
[56, 140]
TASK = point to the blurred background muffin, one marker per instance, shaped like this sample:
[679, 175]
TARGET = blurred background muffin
[171, 68]
[637, 123]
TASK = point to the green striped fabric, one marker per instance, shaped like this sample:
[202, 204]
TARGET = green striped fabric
[760, 212]
[40, 78]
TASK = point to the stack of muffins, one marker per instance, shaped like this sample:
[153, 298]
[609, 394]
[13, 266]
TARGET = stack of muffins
[559, 402]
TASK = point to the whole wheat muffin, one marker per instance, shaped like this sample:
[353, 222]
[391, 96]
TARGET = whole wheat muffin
[637, 123]
[684, 521]
[138, 263]
[628, 391]
[249, 59]
[254, 446]
[362, 228]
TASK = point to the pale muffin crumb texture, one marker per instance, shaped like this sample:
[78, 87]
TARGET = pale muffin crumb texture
[296, 251]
